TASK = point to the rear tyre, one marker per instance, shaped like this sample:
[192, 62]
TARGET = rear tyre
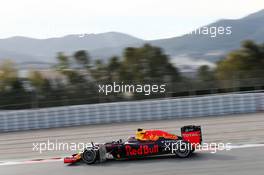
[89, 156]
[183, 150]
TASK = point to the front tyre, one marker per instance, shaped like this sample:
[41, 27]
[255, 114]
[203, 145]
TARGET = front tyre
[89, 156]
[183, 150]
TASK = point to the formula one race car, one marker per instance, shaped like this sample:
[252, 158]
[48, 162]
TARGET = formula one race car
[147, 143]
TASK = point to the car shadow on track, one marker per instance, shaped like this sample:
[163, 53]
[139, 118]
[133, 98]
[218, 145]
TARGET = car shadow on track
[195, 157]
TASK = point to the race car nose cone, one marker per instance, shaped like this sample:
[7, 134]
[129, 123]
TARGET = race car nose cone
[70, 160]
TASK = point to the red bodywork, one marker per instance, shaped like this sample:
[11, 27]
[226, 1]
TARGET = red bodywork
[156, 134]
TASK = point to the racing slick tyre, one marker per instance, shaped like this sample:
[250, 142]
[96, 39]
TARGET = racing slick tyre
[89, 156]
[183, 150]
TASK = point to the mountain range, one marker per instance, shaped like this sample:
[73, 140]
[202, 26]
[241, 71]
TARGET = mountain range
[24, 50]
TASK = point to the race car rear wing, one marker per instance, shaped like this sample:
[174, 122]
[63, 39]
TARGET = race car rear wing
[192, 134]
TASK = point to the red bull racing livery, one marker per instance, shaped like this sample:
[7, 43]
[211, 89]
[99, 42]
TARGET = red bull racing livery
[147, 143]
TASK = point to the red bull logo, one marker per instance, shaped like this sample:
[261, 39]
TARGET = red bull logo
[142, 150]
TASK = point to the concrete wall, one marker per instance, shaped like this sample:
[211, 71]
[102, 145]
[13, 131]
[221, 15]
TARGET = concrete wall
[213, 105]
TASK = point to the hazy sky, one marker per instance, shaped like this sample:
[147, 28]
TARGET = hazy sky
[147, 19]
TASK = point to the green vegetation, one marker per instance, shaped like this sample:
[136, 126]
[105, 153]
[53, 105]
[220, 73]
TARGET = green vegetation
[243, 63]
[74, 79]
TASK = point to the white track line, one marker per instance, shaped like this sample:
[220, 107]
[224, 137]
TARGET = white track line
[30, 161]
[246, 146]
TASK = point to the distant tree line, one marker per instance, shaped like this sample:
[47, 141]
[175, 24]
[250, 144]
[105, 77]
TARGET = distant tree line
[74, 79]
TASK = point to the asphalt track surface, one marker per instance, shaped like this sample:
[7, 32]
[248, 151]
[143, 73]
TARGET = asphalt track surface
[237, 129]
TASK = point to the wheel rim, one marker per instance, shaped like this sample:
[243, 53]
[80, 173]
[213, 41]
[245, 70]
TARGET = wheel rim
[89, 156]
[184, 150]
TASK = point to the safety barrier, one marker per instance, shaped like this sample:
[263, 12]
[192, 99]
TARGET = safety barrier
[213, 105]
